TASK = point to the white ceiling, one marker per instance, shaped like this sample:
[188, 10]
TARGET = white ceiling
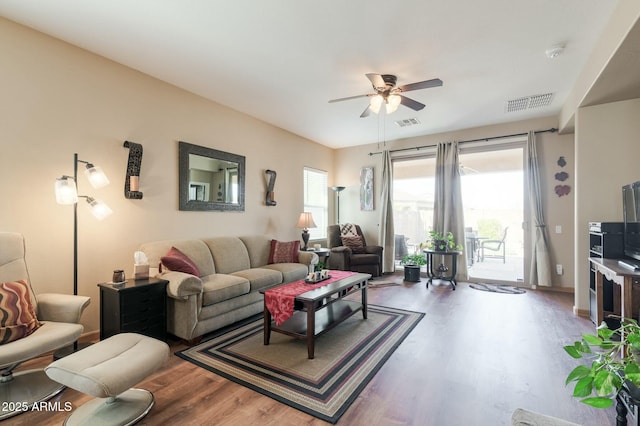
[282, 60]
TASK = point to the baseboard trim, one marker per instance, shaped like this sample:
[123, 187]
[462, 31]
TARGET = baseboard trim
[585, 313]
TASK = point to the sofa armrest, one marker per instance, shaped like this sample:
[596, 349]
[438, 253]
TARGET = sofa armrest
[181, 285]
[340, 258]
[373, 250]
[61, 307]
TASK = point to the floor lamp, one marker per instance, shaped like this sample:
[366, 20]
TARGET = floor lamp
[338, 190]
[66, 189]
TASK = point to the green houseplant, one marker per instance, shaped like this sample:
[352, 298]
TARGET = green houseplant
[611, 362]
[440, 242]
[412, 264]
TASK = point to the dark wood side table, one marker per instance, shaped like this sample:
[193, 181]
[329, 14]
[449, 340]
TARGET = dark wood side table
[137, 306]
[442, 272]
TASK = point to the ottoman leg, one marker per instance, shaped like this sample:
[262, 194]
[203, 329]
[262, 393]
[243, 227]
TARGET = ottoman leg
[124, 409]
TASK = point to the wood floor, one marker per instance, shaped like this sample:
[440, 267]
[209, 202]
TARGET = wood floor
[473, 359]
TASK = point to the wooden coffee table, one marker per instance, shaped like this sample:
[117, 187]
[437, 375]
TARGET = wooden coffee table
[319, 310]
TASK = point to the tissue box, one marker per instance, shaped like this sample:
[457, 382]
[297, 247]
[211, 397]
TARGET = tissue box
[140, 272]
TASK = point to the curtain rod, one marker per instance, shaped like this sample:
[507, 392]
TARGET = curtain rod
[417, 148]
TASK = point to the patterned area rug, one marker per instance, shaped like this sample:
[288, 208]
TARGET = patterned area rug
[494, 288]
[346, 358]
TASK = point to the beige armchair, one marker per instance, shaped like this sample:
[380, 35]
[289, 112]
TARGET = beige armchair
[59, 315]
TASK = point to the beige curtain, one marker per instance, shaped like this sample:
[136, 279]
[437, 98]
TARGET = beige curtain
[540, 263]
[386, 230]
[448, 213]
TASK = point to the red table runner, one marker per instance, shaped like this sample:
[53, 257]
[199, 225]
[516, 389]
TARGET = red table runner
[280, 300]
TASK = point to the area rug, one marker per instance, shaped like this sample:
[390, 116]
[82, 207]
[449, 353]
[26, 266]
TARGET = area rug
[494, 288]
[346, 359]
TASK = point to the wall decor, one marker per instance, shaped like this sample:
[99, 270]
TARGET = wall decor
[269, 198]
[562, 176]
[562, 190]
[132, 178]
[561, 161]
[210, 179]
[366, 188]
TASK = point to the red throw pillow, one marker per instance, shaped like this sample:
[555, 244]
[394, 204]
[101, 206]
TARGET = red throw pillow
[284, 252]
[17, 313]
[175, 260]
[354, 243]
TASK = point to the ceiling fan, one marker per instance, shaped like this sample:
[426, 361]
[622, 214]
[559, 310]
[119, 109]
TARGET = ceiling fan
[386, 92]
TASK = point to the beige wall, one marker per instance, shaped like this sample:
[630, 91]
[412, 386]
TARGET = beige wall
[607, 150]
[558, 211]
[58, 100]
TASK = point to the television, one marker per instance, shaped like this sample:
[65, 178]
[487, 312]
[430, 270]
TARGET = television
[631, 214]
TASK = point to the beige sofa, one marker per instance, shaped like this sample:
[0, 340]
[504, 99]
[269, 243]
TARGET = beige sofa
[232, 271]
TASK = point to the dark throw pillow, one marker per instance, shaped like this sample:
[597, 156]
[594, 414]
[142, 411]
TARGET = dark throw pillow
[284, 252]
[175, 260]
[354, 243]
[17, 312]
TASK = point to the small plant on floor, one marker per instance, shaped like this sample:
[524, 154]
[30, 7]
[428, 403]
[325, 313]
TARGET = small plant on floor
[609, 365]
[415, 259]
[440, 242]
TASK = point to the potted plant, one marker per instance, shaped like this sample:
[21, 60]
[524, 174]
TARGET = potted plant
[611, 363]
[412, 264]
[439, 242]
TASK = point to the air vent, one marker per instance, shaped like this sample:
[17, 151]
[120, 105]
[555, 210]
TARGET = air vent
[528, 102]
[407, 122]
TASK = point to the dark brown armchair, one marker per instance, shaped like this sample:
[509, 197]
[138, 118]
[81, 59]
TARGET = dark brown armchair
[366, 260]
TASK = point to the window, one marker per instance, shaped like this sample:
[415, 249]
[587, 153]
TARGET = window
[315, 201]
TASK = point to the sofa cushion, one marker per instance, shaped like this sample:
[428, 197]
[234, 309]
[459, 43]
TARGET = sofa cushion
[259, 248]
[17, 313]
[260, 277]
[175, 260]
[196, 250]
[220, 287]
[284, 252]
[229, 254]
[290, 271]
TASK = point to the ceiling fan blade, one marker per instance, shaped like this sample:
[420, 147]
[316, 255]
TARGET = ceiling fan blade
[376, 80]
[347, 98]
[414, 105]
[366, 112]
[436, 82]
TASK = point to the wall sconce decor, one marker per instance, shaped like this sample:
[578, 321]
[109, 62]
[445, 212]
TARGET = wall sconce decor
[269, 199]
[132, 178]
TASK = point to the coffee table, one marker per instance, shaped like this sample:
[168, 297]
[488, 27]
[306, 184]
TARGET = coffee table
[319, 310]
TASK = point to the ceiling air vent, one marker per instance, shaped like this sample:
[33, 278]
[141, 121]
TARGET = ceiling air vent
[528, 102]
[407, 122]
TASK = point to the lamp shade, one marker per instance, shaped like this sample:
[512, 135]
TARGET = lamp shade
[375, 103]
[66, 191]
[392, 104]
[96, 176]
[305, 221]
[98, 209]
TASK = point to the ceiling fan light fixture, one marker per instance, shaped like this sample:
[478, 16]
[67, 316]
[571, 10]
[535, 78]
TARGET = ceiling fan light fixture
[392, 103]
[375, 103]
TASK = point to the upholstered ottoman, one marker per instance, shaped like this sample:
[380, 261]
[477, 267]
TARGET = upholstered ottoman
[108, 370]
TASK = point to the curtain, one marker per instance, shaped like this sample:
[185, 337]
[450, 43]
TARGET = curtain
[386, 230]
[540, 263]
[448, 213]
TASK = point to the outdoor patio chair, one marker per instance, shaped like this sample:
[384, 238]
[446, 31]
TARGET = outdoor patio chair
[497, 246]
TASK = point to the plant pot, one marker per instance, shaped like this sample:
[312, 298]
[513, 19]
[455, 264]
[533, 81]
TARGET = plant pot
[439, 245]
[412, 273]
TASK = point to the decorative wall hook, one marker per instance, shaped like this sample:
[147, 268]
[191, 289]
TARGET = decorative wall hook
[269, 199]
[132, 179]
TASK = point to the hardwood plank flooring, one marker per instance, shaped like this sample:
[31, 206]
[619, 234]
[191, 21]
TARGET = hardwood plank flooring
[473, 359]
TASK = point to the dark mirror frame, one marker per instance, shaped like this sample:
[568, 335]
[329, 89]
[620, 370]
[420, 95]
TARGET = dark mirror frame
[184, 150]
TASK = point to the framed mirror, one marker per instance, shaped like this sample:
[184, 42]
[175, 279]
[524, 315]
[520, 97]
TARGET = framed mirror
[210, 179]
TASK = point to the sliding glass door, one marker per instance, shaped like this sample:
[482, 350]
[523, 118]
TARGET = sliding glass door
[493, 199]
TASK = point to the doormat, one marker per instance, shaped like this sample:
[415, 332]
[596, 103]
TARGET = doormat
[346, 359]
[495, 288]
